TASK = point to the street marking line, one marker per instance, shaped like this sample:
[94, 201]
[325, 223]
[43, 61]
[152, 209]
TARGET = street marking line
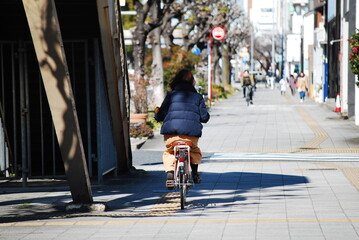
[245, 156]
[296, 150]
[194, 221]
[334, 220]
[6, 224]
[90, 223]
[120, 223]
[304, 220]
[60, 223]
[29, 224]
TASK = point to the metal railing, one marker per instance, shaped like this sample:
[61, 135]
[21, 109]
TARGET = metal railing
[5, 150]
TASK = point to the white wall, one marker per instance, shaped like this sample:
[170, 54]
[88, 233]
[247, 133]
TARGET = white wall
[293, 47]
[344, 66]
[261, 18]
[308, 39]
[318, 78]
[297, 23]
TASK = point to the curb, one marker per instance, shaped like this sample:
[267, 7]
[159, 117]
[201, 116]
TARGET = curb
[137, 143]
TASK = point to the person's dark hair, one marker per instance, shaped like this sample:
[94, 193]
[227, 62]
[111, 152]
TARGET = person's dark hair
[184, 76]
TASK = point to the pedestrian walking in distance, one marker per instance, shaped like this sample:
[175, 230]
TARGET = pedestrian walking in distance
[292, 82]
[182, 111]
[247, 83]
[302, 86]
[283, 86]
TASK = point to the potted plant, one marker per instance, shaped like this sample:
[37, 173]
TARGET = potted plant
[139, 96]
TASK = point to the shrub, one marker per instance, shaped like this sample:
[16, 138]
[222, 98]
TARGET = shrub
[219, 91]
[354, 56]
[151, 120]
[140, 130]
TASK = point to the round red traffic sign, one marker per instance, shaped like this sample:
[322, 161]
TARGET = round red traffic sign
[219, 33]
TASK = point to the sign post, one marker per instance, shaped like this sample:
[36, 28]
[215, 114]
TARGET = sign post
[218, 33]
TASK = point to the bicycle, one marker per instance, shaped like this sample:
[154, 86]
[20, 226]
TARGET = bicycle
[249, 94]
[183, 172]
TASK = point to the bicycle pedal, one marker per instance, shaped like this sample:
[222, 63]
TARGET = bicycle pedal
[170, 184]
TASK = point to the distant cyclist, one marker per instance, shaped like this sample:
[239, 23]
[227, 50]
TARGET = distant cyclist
[247, 84]
[182, 111]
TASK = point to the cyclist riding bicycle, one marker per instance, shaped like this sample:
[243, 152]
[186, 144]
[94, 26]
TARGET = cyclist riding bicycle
[182, 111]
[247, 84]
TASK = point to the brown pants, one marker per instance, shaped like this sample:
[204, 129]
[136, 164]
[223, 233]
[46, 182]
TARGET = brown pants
[168, 155]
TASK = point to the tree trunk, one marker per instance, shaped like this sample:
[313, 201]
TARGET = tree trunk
[140, 97]
[218, 70]
[225, 65]
[139, 40]
[157, 68]
[215, 62]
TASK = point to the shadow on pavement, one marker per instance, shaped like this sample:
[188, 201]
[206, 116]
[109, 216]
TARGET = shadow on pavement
[142, 190]
[229, 189]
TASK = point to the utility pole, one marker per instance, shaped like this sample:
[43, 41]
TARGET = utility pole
[283, 11]
[252, 43]
[273, 63]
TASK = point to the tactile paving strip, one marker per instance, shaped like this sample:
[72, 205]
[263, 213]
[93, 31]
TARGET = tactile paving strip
[320, 134]
[168, 204]
[350, 172]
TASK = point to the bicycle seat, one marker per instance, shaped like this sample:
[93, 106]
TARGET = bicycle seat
[182, 142]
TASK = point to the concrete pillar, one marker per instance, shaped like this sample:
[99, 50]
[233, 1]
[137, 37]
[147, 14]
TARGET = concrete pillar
[116, 79]
[45, 31]
[344, 67]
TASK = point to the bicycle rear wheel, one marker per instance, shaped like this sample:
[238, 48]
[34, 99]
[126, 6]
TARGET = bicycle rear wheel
[183, 190]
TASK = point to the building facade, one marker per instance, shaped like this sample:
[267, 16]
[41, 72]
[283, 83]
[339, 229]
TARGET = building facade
[63, 90]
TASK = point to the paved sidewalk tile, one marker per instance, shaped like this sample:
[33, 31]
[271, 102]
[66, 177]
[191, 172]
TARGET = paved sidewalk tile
[278, 169]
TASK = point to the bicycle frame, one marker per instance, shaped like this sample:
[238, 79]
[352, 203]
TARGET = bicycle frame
[182, 153]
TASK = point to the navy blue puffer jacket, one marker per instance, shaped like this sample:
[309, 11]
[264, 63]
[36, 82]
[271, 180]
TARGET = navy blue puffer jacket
[182, 112]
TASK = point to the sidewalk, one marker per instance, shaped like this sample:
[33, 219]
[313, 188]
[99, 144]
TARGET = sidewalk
[278, 169]
[276, 123]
